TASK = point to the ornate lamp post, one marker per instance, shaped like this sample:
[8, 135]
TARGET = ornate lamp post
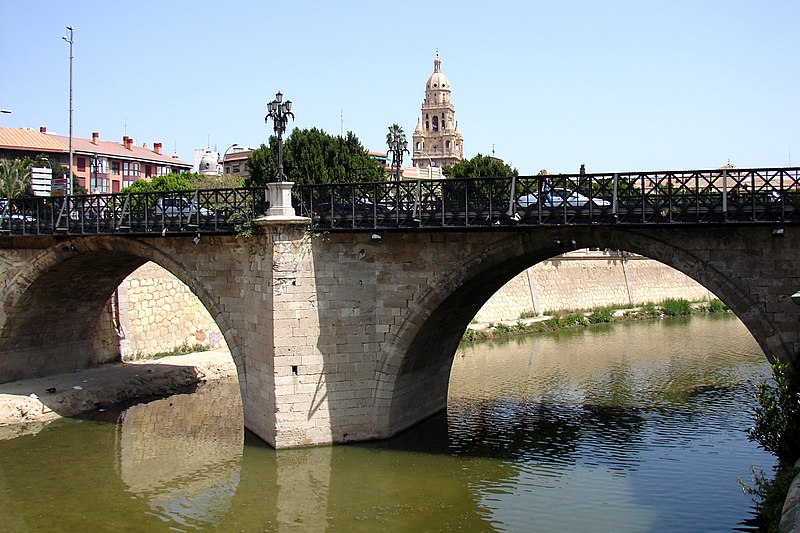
[396, 140]
[279, 111]
[96, 169]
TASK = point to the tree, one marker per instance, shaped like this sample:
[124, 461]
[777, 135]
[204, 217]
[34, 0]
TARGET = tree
[15, 178]
[169, 182]
[313, 156]
[480, 166]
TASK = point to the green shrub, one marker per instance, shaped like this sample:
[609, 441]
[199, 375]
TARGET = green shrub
[183, 349]
[602, 315]
[716, 306]
[777, 416]
[676, 307]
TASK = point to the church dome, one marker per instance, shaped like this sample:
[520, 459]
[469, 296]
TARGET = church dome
[438, 80]
[208, 163]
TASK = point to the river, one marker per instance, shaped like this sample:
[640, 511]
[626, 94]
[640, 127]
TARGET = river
[638, 427]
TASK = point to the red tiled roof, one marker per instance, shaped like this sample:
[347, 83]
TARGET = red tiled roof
[35, 141]
[117, 150]
[22, 139]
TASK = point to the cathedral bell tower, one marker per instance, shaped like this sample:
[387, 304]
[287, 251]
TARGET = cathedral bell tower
[437, 141]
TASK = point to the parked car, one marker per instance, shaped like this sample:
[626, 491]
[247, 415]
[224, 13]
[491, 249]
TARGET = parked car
[558, 198]
[528, 200]
[573, 199]
[175, 207]
[9, 211]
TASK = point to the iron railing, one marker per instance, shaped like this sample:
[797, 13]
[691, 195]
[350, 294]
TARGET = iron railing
[205, 211]
[766, 195]
[722, 196]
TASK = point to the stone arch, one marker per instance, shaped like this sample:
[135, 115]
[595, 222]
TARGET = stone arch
[45, 332]
[414, 372]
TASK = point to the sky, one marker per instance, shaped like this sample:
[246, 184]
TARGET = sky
[615, 85]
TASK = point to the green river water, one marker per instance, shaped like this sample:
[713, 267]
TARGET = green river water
[628, 427]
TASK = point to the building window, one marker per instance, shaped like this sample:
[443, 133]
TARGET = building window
[435, 123]
[126, 182]
[99, 184]
[81, 164]
[148, 171]
[115, 167]
[447, 145]
[130, 170]
[236, 169]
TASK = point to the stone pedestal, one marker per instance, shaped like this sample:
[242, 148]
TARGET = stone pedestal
[280, 199]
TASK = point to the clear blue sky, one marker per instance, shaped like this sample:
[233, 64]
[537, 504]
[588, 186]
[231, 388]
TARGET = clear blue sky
[617, 85]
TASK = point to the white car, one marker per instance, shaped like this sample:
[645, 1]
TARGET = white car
[175, 207]
[574, 199]
[9, 212]
[556, 199]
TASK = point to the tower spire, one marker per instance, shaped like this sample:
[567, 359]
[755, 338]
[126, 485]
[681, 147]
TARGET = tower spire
[437, 140]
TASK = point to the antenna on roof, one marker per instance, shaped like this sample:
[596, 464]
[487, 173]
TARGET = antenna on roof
[125, 126]
[341, 123]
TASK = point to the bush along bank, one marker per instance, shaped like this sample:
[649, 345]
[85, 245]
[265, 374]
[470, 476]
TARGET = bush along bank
[571, 318]
[777, 430]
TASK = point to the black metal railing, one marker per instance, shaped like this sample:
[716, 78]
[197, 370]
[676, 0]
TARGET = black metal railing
[767, 195]
[153, 213]
[722, 196]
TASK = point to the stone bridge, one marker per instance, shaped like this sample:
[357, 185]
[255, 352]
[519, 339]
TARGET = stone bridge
[343, 336]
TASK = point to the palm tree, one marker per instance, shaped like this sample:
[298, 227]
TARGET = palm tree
[15, 178]
[396, 140]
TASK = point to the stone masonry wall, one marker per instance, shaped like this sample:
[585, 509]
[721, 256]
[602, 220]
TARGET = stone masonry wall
[158, 313]
[584, 279]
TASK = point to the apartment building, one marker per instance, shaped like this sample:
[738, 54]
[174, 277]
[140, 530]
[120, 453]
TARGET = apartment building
[99, 166]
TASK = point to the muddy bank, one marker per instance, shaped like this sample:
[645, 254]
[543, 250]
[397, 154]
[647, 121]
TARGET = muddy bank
[27, 405]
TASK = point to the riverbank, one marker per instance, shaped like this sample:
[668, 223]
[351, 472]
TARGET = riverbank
[477, 332]
[27, 405]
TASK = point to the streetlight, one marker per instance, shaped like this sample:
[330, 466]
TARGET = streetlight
[70, 41]
[279, 112]
[397, 145]
[96, 168]
[234, 145]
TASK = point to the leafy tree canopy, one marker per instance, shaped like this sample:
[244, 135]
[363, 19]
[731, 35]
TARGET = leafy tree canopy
[185, 181]
[313, 156]
[480, 166]
[169, 182]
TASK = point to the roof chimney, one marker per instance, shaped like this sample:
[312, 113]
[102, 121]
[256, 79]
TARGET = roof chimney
[95, 137]
[127, 141]
[157, 148]
[42, 129]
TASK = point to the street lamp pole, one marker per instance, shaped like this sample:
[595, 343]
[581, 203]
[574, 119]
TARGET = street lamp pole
[70, 41]
[234, 145]
[398, 145]
[279, 112]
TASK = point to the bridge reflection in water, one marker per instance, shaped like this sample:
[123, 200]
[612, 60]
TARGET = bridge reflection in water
[636, 427]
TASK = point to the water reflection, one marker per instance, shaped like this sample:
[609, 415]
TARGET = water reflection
[632, 428]
[182, 454]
